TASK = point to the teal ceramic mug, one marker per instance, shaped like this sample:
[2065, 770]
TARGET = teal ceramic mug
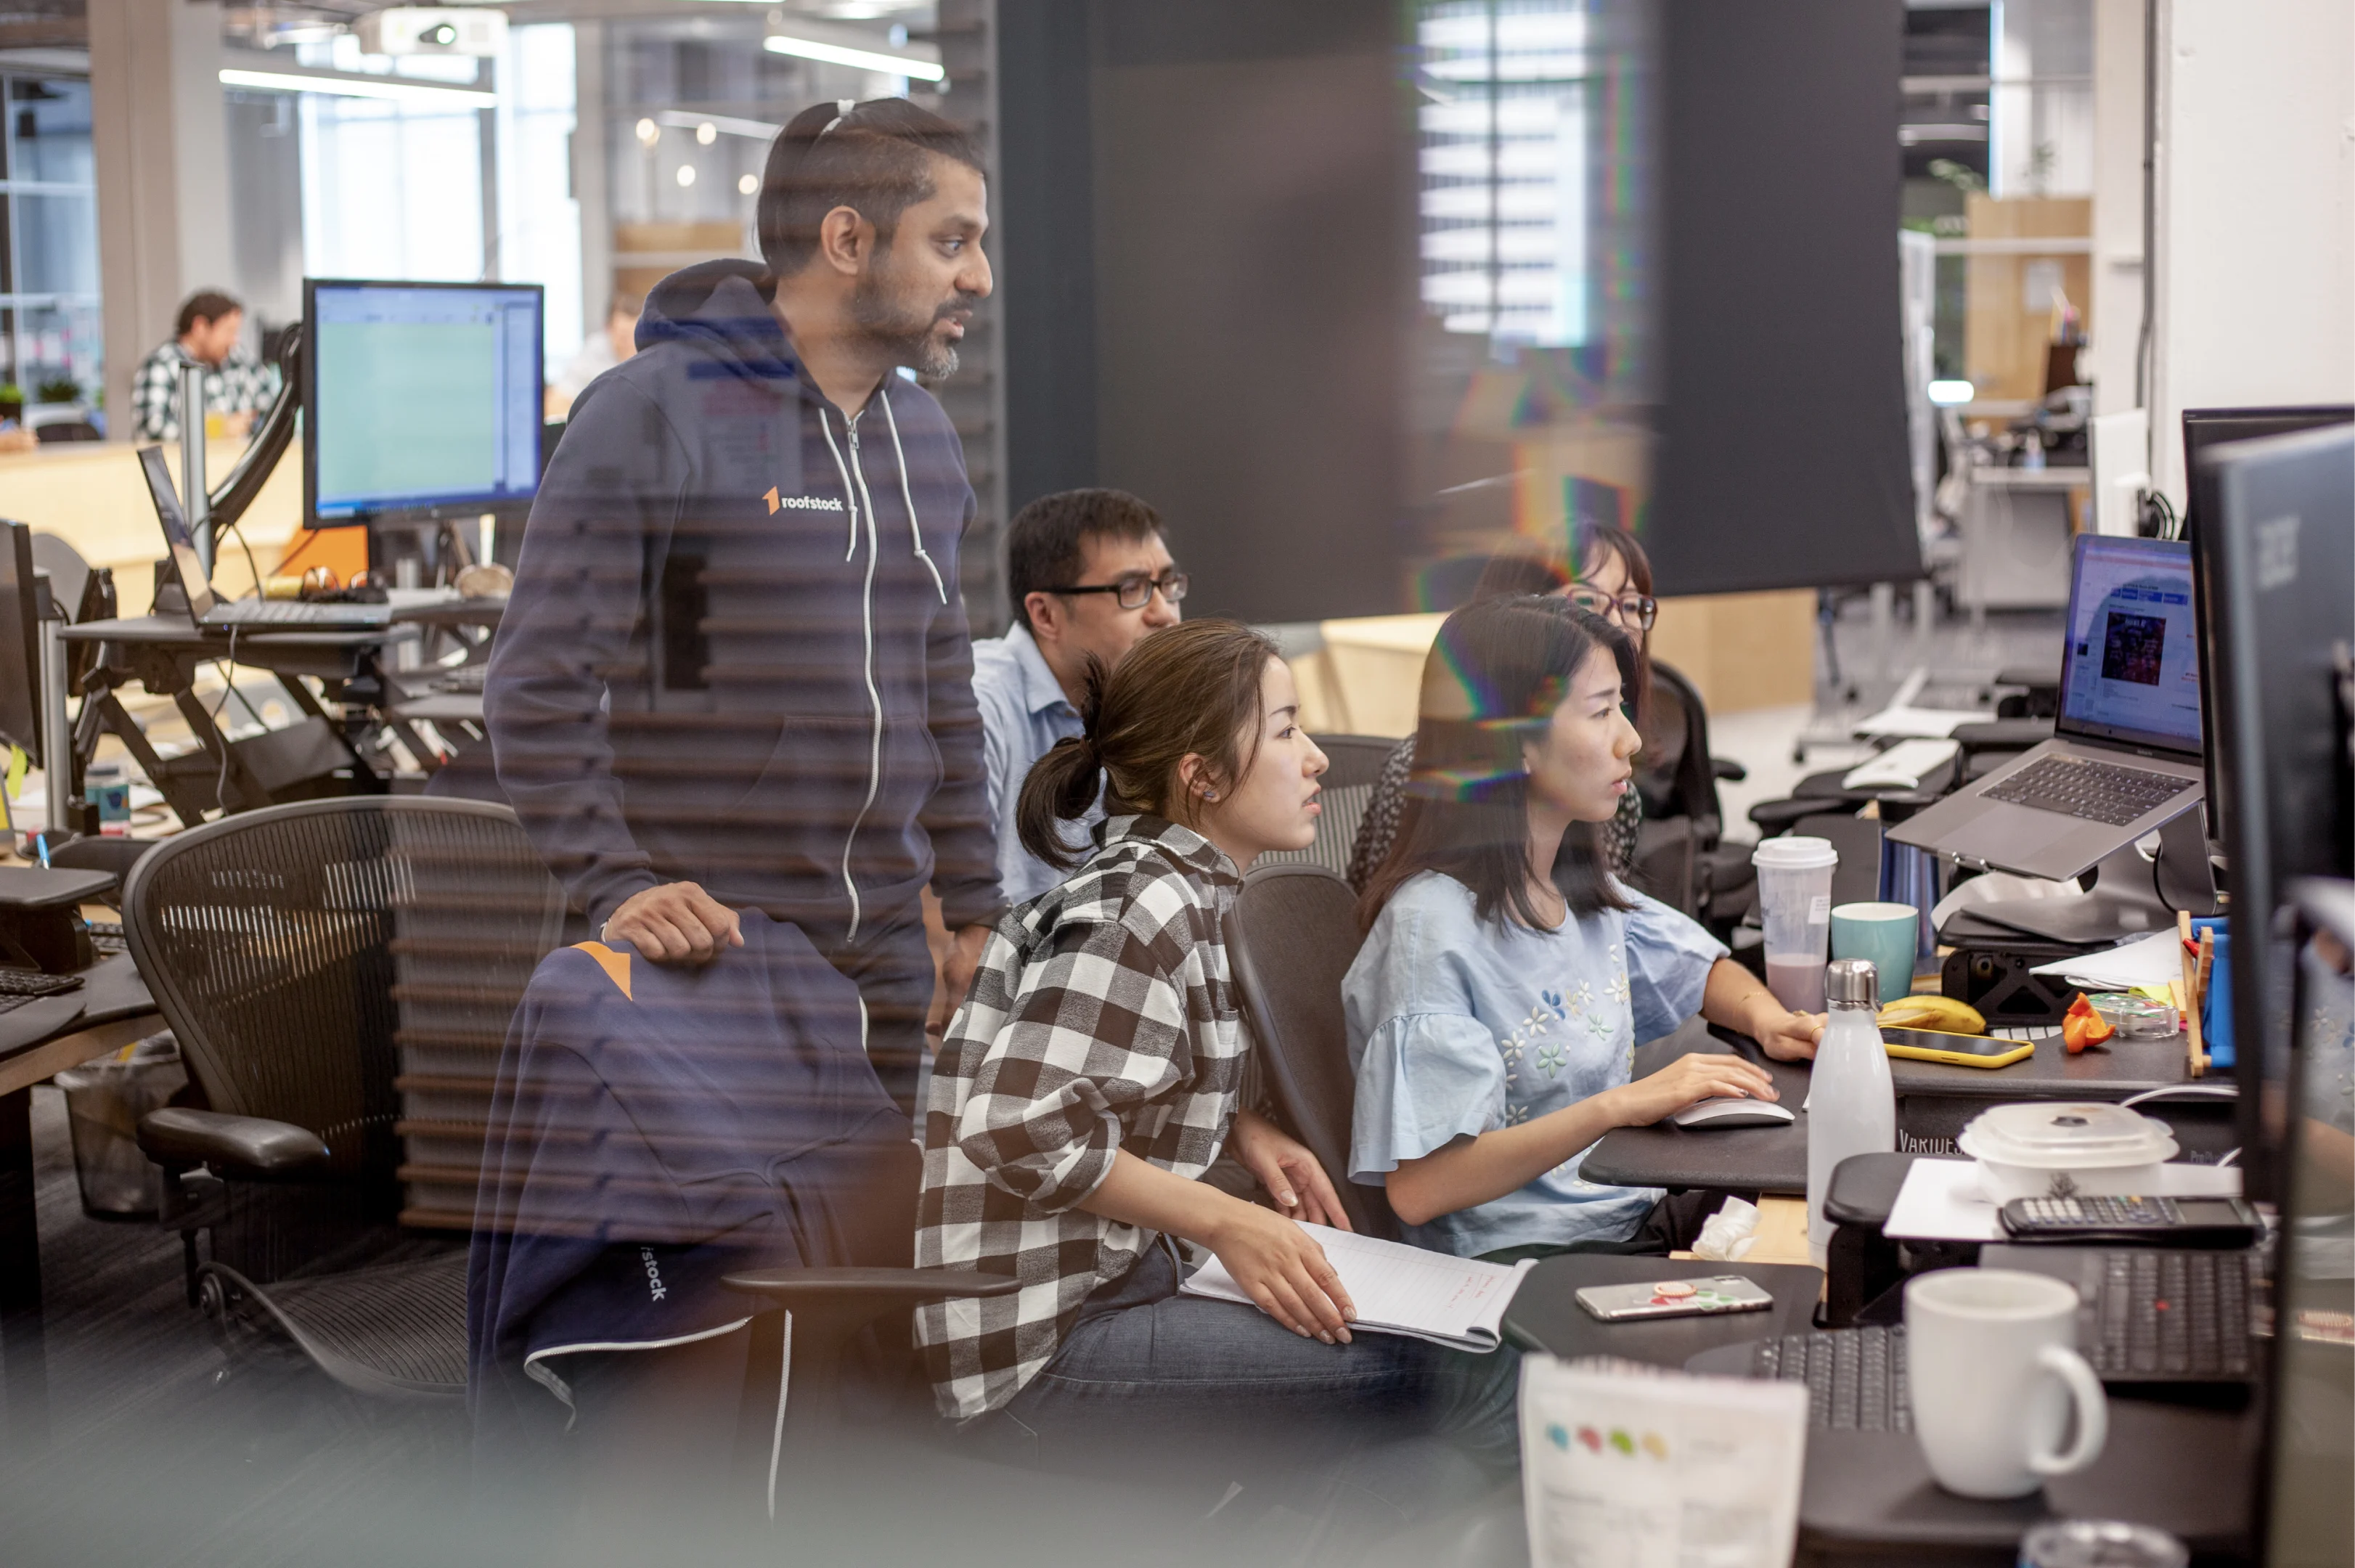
[1885, 935]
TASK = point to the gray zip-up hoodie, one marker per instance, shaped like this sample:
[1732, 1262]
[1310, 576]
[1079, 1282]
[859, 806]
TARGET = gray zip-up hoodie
[737, 654]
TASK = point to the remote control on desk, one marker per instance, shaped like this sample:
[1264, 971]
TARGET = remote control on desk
[2141, 1221]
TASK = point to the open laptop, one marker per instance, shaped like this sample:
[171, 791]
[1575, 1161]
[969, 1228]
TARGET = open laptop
[2124, 754]
[239, 614]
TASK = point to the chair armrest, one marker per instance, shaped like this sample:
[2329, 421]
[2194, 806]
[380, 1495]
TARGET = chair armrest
[1773, 816]
[1727, 769]
[790, 1286]
[252, 1147]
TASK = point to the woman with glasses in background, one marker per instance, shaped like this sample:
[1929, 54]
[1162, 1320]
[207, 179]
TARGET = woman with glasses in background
[1615, 582]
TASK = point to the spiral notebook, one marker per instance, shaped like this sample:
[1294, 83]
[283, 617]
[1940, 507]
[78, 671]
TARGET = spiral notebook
[1456, 1302]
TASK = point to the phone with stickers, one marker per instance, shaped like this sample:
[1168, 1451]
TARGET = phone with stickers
[1674, 1298]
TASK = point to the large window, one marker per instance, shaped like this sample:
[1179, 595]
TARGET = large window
[48, 241]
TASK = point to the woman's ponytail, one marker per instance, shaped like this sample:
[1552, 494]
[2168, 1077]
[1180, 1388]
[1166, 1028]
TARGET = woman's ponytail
[1062, 786]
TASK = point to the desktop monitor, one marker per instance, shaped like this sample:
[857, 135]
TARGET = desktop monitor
[21, 642]
[2207, 432]
[2285, 524]
[2305, 1513]
[421, 401]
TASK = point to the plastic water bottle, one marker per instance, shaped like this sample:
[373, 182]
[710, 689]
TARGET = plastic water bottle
[1852, 1105]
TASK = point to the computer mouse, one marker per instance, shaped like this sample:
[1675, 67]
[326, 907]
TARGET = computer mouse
[1732, 1111]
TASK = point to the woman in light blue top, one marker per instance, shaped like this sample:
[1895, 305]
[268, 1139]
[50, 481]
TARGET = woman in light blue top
[1505, 980]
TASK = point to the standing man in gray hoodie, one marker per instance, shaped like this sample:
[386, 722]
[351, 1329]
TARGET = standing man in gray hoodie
[735, 671]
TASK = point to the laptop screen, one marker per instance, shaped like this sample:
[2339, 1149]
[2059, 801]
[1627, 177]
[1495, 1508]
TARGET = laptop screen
[2130, 669]
[175, 532]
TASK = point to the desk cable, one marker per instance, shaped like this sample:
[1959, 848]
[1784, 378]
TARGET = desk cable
[220, 780]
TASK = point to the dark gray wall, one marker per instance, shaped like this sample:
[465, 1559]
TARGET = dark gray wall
[1782, 456]
[1208, 268]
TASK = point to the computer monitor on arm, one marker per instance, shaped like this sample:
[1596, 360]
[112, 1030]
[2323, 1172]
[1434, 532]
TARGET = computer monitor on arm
[2285, 645]
[2206, 432]
[421, 406]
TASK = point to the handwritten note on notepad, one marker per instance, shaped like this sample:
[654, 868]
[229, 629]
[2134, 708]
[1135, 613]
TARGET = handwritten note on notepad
[1457, 1302]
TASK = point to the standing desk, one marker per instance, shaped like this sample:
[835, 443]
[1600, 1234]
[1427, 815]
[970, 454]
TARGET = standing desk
[1868, 1496]
[38, 1041]
[161, 653]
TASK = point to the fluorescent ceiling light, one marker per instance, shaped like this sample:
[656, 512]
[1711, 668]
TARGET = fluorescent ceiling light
[359, 87]
[860, 59]
[1952, 394]
[721, 125]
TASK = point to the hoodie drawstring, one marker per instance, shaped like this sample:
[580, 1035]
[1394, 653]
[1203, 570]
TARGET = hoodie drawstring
[916, 534]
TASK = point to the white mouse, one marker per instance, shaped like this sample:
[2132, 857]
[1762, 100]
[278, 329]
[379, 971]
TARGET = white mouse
[1732, 1111]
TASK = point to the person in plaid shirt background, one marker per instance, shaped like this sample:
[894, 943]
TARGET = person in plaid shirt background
[1095, 1073]
[237, 385]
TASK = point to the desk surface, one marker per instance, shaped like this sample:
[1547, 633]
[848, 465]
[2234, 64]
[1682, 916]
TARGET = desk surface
[175, 630]
[1545, 1314]
[49, 1034]
[1934, 1099]
[2179, 1467]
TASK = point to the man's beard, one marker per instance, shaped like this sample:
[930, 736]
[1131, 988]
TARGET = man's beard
[905, 335]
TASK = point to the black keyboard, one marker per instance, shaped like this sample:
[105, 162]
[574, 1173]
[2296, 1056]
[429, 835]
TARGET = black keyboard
[1855, 1377]
[2154, 1315]
[2097, 791]
[18, 986]
[106, 938]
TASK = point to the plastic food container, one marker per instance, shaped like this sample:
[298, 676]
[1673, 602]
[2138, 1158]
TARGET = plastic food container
[2066, 1149]
[2136, 1018]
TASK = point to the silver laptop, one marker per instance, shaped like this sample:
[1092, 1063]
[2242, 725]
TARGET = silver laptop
[256, 613]
[2124, 753]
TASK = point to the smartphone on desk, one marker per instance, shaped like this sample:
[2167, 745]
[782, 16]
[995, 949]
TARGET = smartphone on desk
[1674, 1298]
[1955, 1049]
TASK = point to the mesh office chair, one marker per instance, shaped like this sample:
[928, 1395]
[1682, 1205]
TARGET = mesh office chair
[1291, 936]
[296, 951]
[1355, 761]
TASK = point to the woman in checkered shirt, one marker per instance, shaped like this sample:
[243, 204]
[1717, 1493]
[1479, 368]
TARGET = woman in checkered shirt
[1091, 1079]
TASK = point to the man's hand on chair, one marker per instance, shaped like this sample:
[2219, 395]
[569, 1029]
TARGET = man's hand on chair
[955, 978]
[676, 923]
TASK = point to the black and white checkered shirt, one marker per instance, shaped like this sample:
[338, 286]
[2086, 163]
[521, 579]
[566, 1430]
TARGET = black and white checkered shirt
[242, 385]
[1101, 1019]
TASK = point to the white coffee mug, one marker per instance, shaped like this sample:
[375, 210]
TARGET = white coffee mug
[1992, 1371]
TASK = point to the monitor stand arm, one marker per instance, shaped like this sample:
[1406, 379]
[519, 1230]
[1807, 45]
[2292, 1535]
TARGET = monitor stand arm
[227, 504]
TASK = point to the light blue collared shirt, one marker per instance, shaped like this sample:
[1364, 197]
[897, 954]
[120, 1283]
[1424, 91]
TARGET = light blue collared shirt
[1023, 713]
[1460, 1026]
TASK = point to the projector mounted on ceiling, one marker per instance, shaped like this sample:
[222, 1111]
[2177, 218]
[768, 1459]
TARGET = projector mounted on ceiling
[433, 30]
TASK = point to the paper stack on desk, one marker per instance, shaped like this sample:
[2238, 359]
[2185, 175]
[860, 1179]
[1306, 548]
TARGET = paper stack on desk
[1941, 1201]
[1456, 1302]
[2155, 960]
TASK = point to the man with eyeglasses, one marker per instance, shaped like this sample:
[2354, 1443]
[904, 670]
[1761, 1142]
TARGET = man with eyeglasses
[1089, 575]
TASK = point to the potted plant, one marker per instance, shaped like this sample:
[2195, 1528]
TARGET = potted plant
[12, 401]
[58, 389]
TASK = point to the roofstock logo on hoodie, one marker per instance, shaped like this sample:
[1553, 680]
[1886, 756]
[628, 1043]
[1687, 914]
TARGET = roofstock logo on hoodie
[800, 503]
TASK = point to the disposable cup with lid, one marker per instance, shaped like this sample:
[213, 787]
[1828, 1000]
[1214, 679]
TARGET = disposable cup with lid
[1795, 852]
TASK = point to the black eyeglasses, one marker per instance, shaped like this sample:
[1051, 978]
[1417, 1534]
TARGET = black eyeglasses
[1637, 610]
[1135, 590]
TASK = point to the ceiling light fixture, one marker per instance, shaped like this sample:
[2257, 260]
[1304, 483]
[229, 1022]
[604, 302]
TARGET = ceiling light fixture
[687, 174]
[749, 184]
[359, 87]
[912, 66]
[707, 133]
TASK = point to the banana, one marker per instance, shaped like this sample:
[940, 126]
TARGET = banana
[1944, 1015]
